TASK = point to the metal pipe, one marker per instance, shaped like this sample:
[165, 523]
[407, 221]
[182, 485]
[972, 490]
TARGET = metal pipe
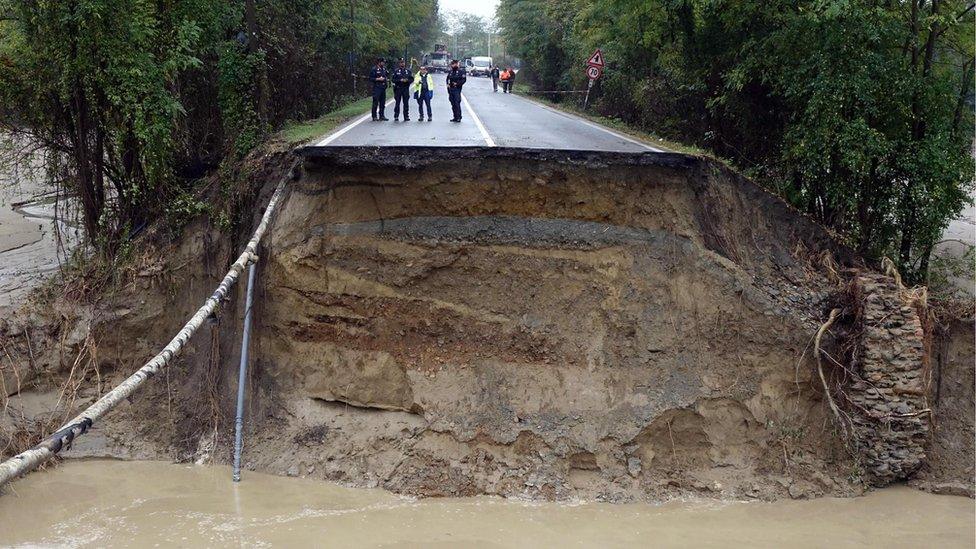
[242, 373]
[31, 459]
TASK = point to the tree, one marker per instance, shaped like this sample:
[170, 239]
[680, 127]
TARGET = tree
[470, 32]
[133, 101]
[857, 111]
[92, 80]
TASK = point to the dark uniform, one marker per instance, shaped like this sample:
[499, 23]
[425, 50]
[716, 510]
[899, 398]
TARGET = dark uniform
[494, 78]
[455, 81]
[402, 78]
[379, 77]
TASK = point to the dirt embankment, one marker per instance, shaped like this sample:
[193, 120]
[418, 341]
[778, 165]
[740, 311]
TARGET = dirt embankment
[541, 324]
[949, 466]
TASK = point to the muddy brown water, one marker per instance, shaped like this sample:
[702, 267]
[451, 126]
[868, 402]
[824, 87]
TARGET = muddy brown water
[153, 504]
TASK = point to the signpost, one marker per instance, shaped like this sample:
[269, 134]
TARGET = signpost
[594, 70]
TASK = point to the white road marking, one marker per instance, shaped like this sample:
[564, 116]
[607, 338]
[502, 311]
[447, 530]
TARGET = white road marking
[338, 133]
[477, 122]
[592, 125]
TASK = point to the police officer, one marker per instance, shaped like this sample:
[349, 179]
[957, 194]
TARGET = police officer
[455, 81]
[402, 78]
[379, 76]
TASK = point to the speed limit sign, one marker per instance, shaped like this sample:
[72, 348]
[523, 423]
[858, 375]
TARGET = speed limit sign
[593, 72]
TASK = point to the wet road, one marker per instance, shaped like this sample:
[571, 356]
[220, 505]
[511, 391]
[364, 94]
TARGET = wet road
[489, 119]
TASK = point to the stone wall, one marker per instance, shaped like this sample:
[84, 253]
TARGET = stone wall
[891, 414]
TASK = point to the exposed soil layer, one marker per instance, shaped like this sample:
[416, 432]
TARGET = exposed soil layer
[568, 324]
[534, 323]
[949, 465]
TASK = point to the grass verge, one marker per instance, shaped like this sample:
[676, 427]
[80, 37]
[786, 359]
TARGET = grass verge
[299, 132]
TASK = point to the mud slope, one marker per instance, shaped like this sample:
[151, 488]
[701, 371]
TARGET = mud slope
[557, 325]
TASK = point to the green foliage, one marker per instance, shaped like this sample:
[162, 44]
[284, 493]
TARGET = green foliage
[857, 111]
[183, 208]
[467, 35]
[237, 86]
[539, 31]
[134, 100]
[92, 80]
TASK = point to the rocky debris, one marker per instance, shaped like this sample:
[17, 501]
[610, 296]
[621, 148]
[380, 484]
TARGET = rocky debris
[891, 420]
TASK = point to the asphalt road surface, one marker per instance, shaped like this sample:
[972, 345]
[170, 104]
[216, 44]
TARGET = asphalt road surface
[489, 119]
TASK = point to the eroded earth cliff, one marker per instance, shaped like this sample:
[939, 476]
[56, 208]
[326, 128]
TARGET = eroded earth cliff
[558, 325]
[531, 323]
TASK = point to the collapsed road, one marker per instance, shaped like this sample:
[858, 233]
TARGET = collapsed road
[526, 305]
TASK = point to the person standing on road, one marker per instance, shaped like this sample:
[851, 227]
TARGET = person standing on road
[423, 90]
[378, 75]
[508, 79]
[402, 78]
[494, 77]
[455, 81]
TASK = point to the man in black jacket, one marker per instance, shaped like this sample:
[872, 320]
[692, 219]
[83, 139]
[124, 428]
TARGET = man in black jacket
[402, 78]
[494, 77]
[378, 75]
[455, 81]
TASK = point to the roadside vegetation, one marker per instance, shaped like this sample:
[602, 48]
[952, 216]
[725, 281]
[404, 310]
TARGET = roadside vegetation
[300, 132]
[859, 112]
[134, 104]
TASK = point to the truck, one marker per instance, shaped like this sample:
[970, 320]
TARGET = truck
[438, 60]
[480, 66]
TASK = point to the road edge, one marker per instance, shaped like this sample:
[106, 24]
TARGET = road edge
[637, 140]
[325, 140]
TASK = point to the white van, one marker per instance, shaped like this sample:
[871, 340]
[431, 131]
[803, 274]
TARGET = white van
[480, 66]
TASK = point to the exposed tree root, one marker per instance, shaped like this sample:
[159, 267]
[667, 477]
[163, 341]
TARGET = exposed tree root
[816, 351]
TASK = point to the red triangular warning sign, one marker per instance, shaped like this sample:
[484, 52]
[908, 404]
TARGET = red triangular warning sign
[596, 60]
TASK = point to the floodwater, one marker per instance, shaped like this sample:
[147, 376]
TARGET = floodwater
[151, 504]
[29, 241]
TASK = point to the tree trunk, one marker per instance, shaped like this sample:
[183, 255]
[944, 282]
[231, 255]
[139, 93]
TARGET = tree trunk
[92, 196]
[922, 273]
[907, 233]
[967, 84]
